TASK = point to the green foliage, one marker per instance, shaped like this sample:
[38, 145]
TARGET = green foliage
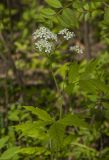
[68, 16]
[43, 115]
[10, 153]
[73, 123]
[56, 133]
[55, 3]
[73, 120]
[47, 12]
[73, 73]
[32, 150]
[3, 141]
[106, 16]
[32, 129]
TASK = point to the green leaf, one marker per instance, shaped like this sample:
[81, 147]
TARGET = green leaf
[43, 115]
[84, 147]
[62, 70]
[89, 69]
[73, 120]
[10, 153]
[61, 21]
[101, 86]
[14, 115]
[56, 133]
[88, 85]
[73, 73]
[54, 3]
[106, 16]
[86, 6]
[93, 85]
[70, 88]
[47, 12]
[68, 16]
[32, 150]
[3, 141]
[32, 129]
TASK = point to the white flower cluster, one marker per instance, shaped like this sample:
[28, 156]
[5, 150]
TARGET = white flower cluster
[44, 38]
[44, 33]
[76, 49]
[44, 45]
[67, 34]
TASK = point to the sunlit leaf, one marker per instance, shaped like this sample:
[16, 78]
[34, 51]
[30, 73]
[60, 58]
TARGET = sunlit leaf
[73, 120]
[42, 114]
[3, 141]
[56, 133]
[10, 153]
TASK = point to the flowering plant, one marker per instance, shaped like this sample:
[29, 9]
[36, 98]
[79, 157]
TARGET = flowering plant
[45, 40]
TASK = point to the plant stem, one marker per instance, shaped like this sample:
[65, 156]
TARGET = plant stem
[51, 151]
[57, 87]
[56, 83]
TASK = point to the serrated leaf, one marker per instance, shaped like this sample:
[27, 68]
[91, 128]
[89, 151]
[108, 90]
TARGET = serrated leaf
[3, 141]
[54, 3]
[56, 133]
[10, 153]
[73, 120]
[32, 129]
[43, 115]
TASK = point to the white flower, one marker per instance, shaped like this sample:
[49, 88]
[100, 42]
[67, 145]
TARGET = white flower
[76, 49]
[63, 31]
[44, 39]
[44, 45]
[44, 33]
[66, 34]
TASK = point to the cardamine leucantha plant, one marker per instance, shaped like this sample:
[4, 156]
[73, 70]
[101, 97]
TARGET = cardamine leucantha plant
[54, 104]
[55, 137]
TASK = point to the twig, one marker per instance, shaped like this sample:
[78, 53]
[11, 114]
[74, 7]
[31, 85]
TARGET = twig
[107, 5]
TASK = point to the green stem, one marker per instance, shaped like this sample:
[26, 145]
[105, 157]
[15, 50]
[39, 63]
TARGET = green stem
[52, 154]
[56, 83]
[57, 87]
